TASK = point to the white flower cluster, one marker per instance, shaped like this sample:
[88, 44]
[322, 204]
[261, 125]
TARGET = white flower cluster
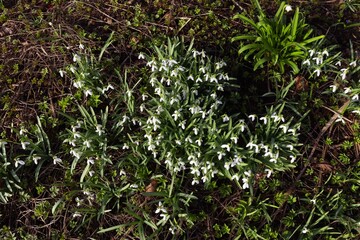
[185, 131]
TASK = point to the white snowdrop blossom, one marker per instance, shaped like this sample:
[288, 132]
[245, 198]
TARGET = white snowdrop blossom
[292, 159]
[313, 201]
[90, 161]
[355, 97]
[317, 71]
[226, 146]
[245, 183]
[36, 159]
[125, 146]
[234, 139]
[338, 63]
[268, 172]
[160, 208]
[76, 214]
[305, 230]
[291, 147]
[76, 58]
[353, 63]
[340, 119]
[334, 88]
[306, 62]
[61, 72]
[252, 117]
[264, 119]
[87, 143]
[311, 51]
[347, 90]
[56, 160]
[141, 56]
[288, 8]
[343, 73]
[325, 53]
[226, 118]
[19, 162]
[24, 144]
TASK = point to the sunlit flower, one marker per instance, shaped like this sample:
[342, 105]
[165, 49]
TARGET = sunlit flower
[306, 62]
[234, 139]
[347, 90]
[353, 63]
[227, 146]
[288, 8]
[311, 51]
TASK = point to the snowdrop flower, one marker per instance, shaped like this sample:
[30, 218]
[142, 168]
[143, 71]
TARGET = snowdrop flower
[252, 117]
[235, 177]
[125, 146]
[50, 24]
[273, 160]
[199, 141]
[334, 87]
[291, 147]
[196, 131]
[90, 161]
[284, 128]
[225, 118]
[292, 159]
[355, 97]
[338, 63]
[227, 146]
[317, 71]
[160, 208]
[264, 119]
[61, 72]
[307, 62]
[347, 90]
[221, 155]
[313, 201]
[99, 129]
[87, 143]
[288, 8]
[76, 214]
[194, 181]
[81, 46]
[19, 162]
[356, 111]
[172, 230]
[76, 58]
[325, 52]
[311, 51]
[344, 72]
[190, 78]
[305, 230]
[268, 171]
[36, 159]
[353, 63]
[56, 160]
[24, 144]
[319, 60]
[88, 92]
[234, 139]
[245, 183]
[141, 56]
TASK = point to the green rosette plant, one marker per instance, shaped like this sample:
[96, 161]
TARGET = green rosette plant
[276, 41]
